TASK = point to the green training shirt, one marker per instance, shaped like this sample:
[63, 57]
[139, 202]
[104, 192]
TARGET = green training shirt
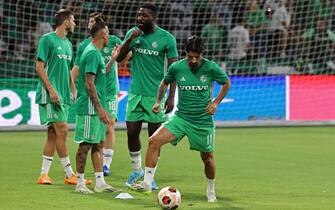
[112, 86]
[149, 60]
[91, 61]
[56, 53]
[195, 89]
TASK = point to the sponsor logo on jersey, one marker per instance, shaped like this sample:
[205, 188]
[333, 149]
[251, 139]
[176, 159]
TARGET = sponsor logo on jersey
[106, 50]
[59, 48]
[154, 44]
[182, 79]
[203, 78]
[107, 58]
[146, 51]
[193, 87]
[137, 42]
[63, 56]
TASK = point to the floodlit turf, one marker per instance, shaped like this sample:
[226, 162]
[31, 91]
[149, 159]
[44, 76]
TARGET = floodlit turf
[257, 168]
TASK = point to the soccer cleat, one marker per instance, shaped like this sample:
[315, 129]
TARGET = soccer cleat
[211, 197]
[133, 177]
[106, 171]
[154, 185]
[44, 179]
[83, 189]
[106, 188]
[73, 180]
[141, 187]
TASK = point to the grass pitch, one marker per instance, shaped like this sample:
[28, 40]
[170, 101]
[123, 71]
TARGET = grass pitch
[257, 168]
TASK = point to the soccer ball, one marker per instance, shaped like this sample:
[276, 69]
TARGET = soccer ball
[169, 198]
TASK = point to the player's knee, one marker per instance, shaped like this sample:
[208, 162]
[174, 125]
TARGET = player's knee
[51, 131]
[83, 148]
[97, 148]
[154, 142]
[208, 159]
[101, 145]
[61, 129]
[109, 130]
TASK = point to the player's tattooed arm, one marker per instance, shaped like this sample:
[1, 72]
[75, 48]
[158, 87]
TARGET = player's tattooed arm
[161, 92]
[90, 86]
[89, 82]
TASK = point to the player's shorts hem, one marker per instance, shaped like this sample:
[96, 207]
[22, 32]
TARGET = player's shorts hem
[198, 150]
[51, 113]
[88, 141]
[89, 129]
[78, 142]
[200, 139]
[139, 108]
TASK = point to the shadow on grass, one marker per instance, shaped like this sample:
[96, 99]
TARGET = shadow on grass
[199, 201]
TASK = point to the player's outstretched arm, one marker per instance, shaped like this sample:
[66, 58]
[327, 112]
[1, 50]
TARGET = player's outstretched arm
[211, 108]
[161, 92]
[90, 86]
[46, 82]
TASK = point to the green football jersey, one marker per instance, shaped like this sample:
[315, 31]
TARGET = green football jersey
[112, 80]
[91, 61]
[149, 60]
[195, 89]
[112, 76]
[81, 49]
[56, 53]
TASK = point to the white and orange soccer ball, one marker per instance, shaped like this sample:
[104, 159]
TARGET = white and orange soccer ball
[169, 198]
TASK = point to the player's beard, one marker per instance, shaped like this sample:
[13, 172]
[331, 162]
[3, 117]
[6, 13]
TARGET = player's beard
[105, 43]
[194, 67]
[146, 27]
[68, 30]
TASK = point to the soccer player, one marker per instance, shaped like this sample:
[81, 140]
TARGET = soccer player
[194, 76]
[109, 54]
[92, 116]
[151, 47]
[54, 59]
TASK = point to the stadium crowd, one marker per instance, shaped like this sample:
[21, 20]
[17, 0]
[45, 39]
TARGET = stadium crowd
[247, 36]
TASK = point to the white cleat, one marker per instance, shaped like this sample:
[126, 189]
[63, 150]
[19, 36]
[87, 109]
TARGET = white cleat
[106, 188]
[141, 187]
[211, 197]
[83, 189]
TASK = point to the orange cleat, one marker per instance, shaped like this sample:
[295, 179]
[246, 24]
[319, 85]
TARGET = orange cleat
[44, 179]
[73, 180]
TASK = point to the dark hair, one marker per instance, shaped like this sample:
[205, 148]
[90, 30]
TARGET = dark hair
[194, 44]
[62, 15]
[97, 16]
[93, 14]
[99, 19]
[151, 7]
[97, 27]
